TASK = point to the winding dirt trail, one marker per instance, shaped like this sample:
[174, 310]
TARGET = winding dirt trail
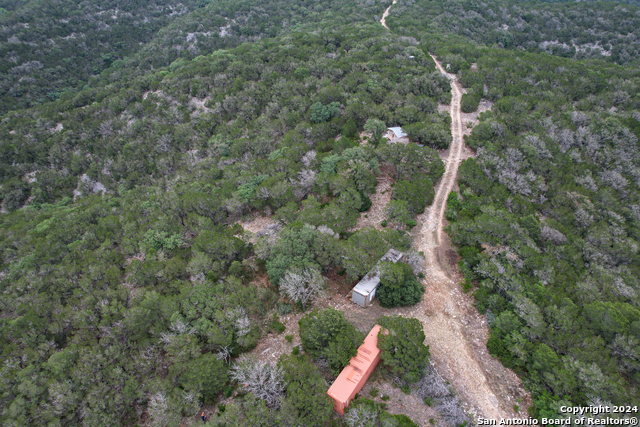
[383, 20]
[432, 235]
[455, 331]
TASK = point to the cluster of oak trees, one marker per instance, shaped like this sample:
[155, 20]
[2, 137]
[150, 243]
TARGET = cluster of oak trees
[48, 51]
[243, 115]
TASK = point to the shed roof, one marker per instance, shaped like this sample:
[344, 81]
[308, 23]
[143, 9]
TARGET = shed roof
[358, 370]
[367, 284]
[372, 279]
[392, 255]
[398, 131]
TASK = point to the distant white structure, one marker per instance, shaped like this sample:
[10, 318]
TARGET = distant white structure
[364, 292]
[396, 134]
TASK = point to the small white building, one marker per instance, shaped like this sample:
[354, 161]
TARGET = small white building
[364, 292]
[396, 134]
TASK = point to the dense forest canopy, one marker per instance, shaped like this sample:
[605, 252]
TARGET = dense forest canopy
[608, 31]
[548, 224]
[229, 132]
[49, 48]
[261, 93]
[135, 137]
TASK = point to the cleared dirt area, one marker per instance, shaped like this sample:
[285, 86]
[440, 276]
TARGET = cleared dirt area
[271, 347]
[471, 119]
[257, 224]
[375, 215]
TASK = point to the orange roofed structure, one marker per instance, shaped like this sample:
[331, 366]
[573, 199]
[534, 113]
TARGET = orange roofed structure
[352, 378]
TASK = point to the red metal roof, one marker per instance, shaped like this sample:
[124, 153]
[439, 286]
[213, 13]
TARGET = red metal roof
[355, 375]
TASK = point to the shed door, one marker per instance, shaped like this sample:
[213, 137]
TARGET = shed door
[358, 299]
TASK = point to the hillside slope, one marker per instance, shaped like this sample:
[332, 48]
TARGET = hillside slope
[52, 49]
[128, 285]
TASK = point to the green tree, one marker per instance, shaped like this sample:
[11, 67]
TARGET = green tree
[397, 212]
[418, 194]
[14, 193]
[248, 189]
[245, 411]
[323, 113]
[156, 240]
[453, 205]
[532, 225]
[306, 402]
[364, 177]
[207, 375]
[398, 285]
[327, 334]
[411, 161]
[350, 129]
[367, 413]
[294, 249]
[470, 102]
[606, 319]
[301, 73]
[435, 136]
[401, 342]
[376, 128]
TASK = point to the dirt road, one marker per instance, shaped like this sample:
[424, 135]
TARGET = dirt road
[383, 20]
[454, 329]
[433, 228]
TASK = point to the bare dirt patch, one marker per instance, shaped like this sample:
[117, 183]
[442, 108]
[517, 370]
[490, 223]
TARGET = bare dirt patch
[256, 225]
[452, 257]
[469, 120]
[376, 213]
[198, 106]
[274, 345]
[364, 137]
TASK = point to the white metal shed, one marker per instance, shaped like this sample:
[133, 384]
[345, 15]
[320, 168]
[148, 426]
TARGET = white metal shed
[396, 134]
[364, 292]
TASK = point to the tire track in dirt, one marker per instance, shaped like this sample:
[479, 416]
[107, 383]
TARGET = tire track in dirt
[433, 235]
[443, 328]
[455, 331]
